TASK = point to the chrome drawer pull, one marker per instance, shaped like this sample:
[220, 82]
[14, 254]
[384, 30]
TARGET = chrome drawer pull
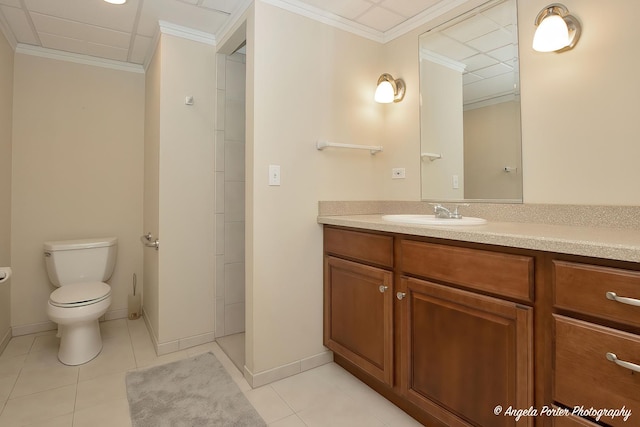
[383, 288]
[624, 300]
[632, 366]
[401, 295]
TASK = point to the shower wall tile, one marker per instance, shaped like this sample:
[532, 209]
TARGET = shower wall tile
[220, 273]
[234, 161]
[220, 109]
[221, 67]
[234, 318]
[234, 119]
[220, 232]
[233, 242]
[234, 201]
[236, 77]
[219, 151]
[220, 194]
[234, 283]
[220, 318]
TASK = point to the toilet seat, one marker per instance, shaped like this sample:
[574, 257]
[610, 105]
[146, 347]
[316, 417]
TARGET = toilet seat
[80, 294]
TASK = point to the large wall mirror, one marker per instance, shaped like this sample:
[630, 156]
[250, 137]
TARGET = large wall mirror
[470, 107]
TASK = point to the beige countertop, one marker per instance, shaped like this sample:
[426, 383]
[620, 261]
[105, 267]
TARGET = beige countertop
[600, 242]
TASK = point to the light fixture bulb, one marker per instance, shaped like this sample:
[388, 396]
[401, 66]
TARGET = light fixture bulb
[552, 34]
[384, 93]
[116, 1]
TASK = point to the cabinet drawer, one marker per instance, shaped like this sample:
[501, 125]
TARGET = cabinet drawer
[583, 288]
[501, 274]
[571, 421]
[367, 247]
[584, 377]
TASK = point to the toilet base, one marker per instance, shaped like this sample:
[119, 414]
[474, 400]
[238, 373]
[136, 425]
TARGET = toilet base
[79, 343]
[79, 331]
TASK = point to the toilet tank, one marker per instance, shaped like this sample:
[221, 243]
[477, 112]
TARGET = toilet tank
[83, 260]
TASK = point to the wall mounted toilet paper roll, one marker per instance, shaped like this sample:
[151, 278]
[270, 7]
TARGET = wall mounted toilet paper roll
[5, 273]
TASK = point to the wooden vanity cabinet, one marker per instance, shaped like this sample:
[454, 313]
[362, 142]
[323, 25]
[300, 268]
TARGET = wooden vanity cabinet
[588, 327]
[358, 300]
[462, 352]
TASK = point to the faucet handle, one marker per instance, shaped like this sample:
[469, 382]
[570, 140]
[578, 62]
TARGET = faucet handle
[455, 213]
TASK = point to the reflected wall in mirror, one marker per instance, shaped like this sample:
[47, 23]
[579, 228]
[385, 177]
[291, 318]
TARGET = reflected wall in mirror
[470, 107]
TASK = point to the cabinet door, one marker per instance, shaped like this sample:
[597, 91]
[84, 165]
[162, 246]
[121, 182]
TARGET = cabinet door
[358, 301]
[465, 354]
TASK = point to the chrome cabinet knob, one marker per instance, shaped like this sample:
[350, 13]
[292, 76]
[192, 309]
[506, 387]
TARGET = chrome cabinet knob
[383, 288]
[401, 295]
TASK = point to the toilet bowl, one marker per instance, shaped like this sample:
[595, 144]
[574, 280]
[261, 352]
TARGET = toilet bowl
[79, 268]
[77, 314]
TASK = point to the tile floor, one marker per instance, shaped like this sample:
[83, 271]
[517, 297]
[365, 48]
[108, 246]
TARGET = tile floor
[37, 390]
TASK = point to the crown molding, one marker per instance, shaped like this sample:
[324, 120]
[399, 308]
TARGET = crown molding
[77, 58]
[187, 33]
[328, 18]
[353, 27]
[442, 60]
[422, 18]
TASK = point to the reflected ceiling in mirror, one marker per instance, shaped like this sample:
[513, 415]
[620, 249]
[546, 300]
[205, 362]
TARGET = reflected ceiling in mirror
[470, 107]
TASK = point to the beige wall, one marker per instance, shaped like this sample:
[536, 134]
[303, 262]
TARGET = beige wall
[186, 296]
[441, 131]
[77, 172]
[489, 135]
[578, 110]
[305, 81]
[6, 99]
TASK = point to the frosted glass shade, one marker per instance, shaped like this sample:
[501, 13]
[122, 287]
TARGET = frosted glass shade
[552, 34]
[384, 93]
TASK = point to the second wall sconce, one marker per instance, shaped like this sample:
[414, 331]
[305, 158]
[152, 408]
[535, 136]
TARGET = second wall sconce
[557, 30]
[389, 89]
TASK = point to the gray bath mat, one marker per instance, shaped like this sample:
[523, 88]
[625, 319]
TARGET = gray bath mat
[188, 393]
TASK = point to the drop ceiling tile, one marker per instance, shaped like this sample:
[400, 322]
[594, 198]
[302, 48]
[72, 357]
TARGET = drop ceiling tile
[503, 14]
[345, 9]
[96, 12]
[408, 8]
[226, 6]
[75, 30]
[493, 70]
[504, 53]
[12, 3]
[19, 25]
[471, 28]
[141, 48]
[478, 61]
[183, 14]
[108, 52]
[489, 88]
[445, 46]
[468, 78]
[491, 41]
[380, 19]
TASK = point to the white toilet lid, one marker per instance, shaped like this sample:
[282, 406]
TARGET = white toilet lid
[80, 294]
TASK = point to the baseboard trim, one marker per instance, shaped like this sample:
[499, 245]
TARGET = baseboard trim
[5, 340]
[179, 344]
[34, 328]
[266, 377]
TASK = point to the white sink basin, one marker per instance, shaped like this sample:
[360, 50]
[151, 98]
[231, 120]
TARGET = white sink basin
[432, 220]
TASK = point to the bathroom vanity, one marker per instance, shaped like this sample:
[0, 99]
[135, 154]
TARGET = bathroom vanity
[475, 325]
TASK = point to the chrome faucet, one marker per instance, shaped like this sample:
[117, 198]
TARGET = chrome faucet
[442, 212]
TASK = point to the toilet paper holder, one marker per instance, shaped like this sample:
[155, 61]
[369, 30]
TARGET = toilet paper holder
[149, 241]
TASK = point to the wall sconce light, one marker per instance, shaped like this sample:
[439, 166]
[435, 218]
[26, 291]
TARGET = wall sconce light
[556, 30]
[389, 89]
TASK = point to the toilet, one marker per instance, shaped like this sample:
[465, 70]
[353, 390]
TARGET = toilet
[79, 268]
